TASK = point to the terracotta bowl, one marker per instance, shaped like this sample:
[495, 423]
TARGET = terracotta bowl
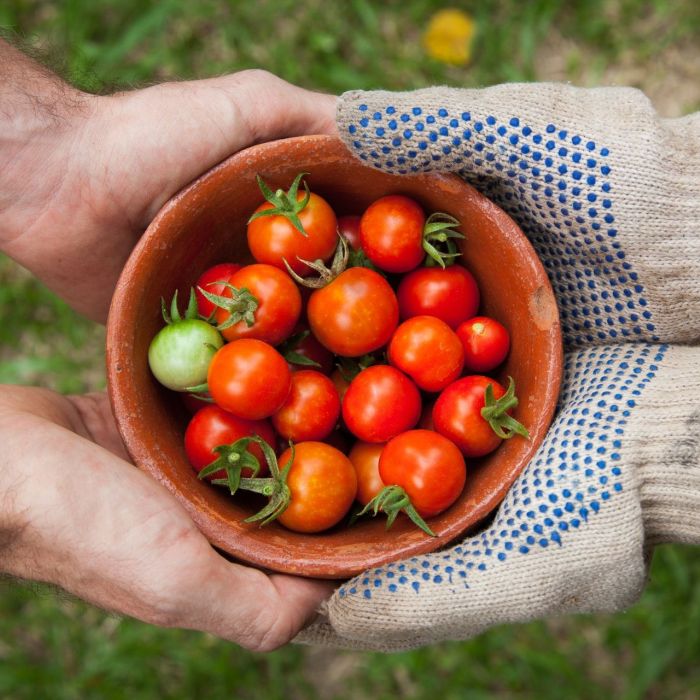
[205, 224]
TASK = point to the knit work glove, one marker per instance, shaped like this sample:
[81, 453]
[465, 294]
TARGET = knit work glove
[609, 195]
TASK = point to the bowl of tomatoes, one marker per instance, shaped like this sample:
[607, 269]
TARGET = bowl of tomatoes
[329, 366]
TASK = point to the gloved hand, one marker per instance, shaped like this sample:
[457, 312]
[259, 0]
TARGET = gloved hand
[609, 194]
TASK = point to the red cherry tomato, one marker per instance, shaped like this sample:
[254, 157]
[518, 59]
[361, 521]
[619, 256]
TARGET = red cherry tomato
[380, 403]
[323, 486]
[451, 295]
[249, 378]
[211, 427]
[311, 410]
[428, 351]
[391, 233]
[429, 467]
[365, 458]
[457, 415]
[279, 304]
[354, 314]
[213, 280]
[274, 239]
[486, 343]
[349, 228]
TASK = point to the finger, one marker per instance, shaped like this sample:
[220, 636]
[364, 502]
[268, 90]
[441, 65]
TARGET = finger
[273, 108]
[247, 606]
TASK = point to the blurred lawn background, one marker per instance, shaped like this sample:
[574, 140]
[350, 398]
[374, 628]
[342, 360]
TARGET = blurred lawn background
[54, 647]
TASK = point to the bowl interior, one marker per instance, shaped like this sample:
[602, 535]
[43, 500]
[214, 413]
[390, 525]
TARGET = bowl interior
[205, 224]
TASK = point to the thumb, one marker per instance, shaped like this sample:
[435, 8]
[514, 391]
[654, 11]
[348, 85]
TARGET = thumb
[183, 129]
[272, 108]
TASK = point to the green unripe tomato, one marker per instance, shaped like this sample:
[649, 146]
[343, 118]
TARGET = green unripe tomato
[180, 353]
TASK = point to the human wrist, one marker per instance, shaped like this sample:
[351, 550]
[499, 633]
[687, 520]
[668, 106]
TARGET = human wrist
[41, 119]
[15, 547]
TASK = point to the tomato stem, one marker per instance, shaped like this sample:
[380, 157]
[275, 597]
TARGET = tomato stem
[495, 412]
[284, 203]
[392, 500]
[274, 488]
[325, 274]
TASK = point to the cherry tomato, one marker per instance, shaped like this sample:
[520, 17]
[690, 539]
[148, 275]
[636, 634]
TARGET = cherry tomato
[279, 304]
[180, 353]
[211, 427]
[428, 351]
[457, 415]
[428, 466]
[349, 228]
[380, 403]
[311, 410]
[365, 458]
[323, 486]
[391, 233]
[213, 281]
[249, 378]
[354, 314]
[451, 295]
[486, 343]
[274, 239]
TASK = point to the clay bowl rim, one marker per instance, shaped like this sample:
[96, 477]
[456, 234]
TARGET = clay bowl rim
[118, 383]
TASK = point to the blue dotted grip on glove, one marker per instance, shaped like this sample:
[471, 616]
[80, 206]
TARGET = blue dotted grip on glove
[557, 185]
[575, 474]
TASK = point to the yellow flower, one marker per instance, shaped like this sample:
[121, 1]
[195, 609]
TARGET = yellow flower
[449, 35]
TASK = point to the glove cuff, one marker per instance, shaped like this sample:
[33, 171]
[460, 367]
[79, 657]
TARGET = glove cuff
[666, 450]
[671, 500]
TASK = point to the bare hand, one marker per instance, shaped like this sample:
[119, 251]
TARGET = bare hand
[77, 191]
[77, 514]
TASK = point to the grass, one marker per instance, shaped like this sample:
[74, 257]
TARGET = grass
[55, 647]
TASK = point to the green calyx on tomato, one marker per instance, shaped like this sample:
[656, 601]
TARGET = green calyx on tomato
[285, 203]
[325, 274]
[241, 305]
[391, 500]
[495, 413]
[439, 239]
[274, 487]
[174, 316]
[232, 459]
